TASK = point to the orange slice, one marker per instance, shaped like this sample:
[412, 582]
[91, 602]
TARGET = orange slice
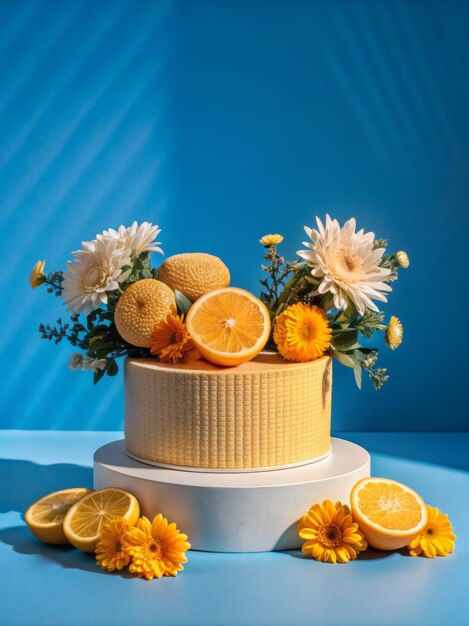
[389, 513]
[45, 517]
[229, 326]
[83, 522]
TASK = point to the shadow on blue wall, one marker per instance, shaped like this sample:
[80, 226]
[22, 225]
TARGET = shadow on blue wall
[222, 121]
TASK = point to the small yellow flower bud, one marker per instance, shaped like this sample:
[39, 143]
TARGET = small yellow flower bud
[36, 277]
[271, 240]
[394, 333]
[402, 259]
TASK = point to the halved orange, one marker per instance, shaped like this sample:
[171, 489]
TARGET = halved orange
[46, 516]
[228, 326]
[389, 513]
[84, 521]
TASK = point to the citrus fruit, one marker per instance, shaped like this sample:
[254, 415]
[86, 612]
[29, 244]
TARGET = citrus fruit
[228, 326]
[194, 274]
[389, 513]
[84, 520]
[45, 517]
[140, 308]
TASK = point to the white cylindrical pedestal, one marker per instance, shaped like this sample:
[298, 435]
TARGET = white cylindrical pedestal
[245, 512]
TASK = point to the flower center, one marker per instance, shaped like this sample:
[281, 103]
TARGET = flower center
[307, 331]
[118, 546]
[429, 531]
[330, 536]
[156, 548]
[95, 277]
[346, 264]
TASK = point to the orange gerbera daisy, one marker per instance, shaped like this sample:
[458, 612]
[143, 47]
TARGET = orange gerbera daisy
[331, 534]
[110, 552]
[157, 549]
[171, 341]
[302, 333]
[436, 539]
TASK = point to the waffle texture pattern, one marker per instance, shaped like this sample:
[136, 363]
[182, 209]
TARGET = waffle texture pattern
[261, 414]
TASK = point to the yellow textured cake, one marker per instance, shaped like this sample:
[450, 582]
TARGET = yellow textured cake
[262, 414]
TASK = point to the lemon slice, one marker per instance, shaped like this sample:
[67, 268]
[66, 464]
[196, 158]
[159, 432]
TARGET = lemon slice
[389, 513]
[45, 517]
[84, 520]
[228, 326]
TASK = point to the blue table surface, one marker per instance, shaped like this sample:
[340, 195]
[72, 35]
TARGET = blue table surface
[62, 586]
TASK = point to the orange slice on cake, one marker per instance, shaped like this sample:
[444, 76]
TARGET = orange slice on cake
[229, 326]
[389, 513]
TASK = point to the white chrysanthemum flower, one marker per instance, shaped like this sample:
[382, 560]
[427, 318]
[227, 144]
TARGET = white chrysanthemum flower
[78, 362]
[346, 264]
[137, 239]
[95, 270]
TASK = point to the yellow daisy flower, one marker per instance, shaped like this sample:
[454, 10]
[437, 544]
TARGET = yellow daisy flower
[36, 277]
[110, 551]
[394, 333]
[271, 240]
[156, 548]
[437, 537]
[402, 259]
[302, 333]
[171, 340]
[331, 534]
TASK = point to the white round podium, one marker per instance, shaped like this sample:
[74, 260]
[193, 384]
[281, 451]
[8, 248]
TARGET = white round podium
[234, 512]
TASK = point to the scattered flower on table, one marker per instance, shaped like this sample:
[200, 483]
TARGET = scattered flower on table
[110, 551]
[330, 533]
[437, 539]
[157, 549]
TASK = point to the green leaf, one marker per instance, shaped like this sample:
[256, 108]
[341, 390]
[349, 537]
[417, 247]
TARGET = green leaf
[345, 359]
[360, 353]
[183, 303]
[344, 340]
[94, 341]
[112, 367]
[357, 371]
[97, 376]
[101, 352]
[100, 329]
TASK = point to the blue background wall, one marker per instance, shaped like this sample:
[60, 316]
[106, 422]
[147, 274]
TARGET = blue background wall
[222, 121]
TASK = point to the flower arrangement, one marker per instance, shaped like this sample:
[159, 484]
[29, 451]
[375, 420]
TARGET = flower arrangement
[321, 303]
[328, 300]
